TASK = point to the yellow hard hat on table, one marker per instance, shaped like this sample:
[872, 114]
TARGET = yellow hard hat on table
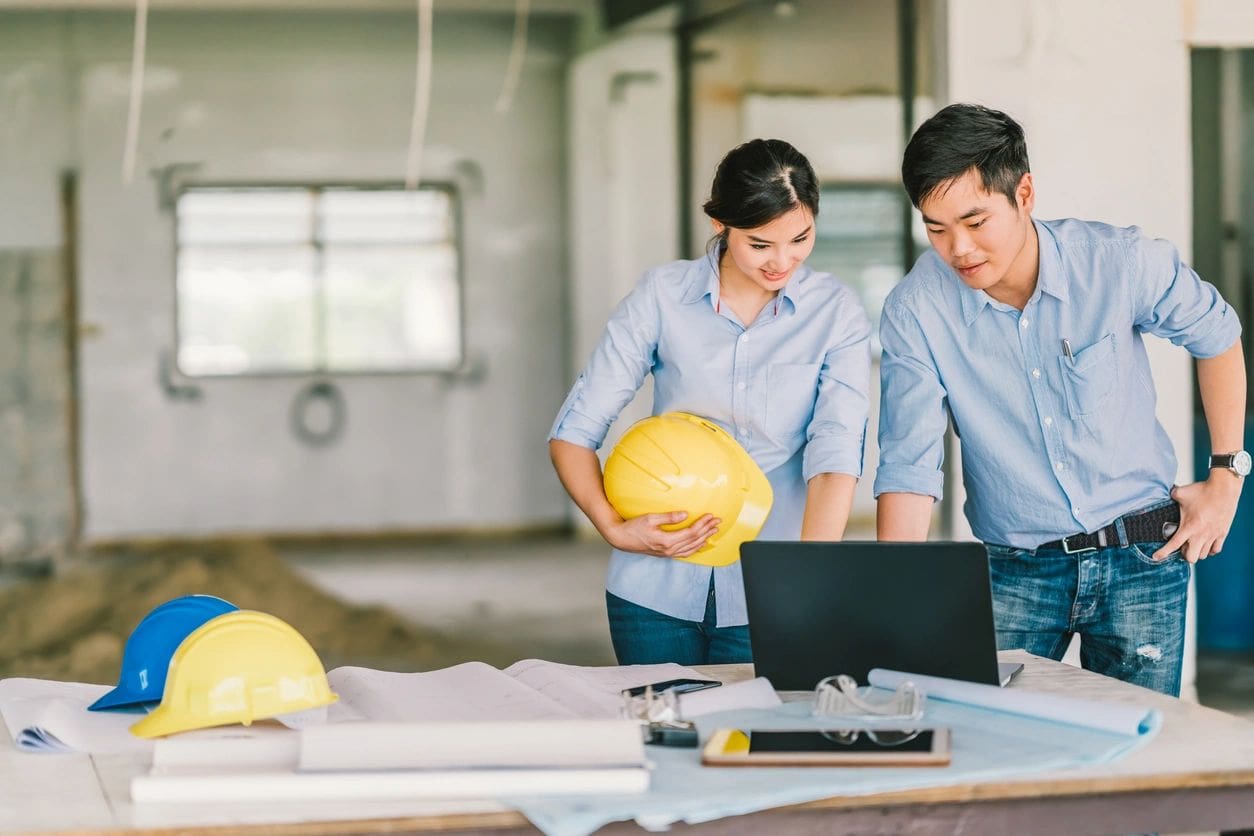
[236, 668]
[681, 462]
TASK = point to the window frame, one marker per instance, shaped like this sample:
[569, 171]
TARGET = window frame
[908, 253]
[321, 371]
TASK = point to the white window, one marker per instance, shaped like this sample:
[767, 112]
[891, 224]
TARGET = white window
[859, 239]
[293, 280]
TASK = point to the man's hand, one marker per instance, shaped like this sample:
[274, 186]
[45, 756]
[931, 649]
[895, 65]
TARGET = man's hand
[1206, 513]
[645, 535]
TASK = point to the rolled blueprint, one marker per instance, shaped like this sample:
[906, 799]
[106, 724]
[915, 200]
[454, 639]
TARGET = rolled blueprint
[1120, 718]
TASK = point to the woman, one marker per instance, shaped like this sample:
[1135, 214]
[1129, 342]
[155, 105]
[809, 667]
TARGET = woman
[752, 339]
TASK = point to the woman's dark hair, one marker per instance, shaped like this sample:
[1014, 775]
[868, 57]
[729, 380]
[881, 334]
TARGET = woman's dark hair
[959, 138]
[759, 181]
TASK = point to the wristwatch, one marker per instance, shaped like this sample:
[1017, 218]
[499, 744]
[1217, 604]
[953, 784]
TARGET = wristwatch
[1238, 462]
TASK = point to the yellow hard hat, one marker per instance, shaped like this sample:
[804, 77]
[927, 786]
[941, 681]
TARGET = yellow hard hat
[238, 667]
[681, 462]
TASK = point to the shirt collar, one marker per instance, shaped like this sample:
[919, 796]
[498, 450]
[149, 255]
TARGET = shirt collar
[703, 283]
[1050, 279]
[973, 301]
[792, 291]
[703, 279]
[1049, 276]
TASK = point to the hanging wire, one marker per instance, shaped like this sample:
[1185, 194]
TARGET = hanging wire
[422, 95]
[137, 91]
[517, 51]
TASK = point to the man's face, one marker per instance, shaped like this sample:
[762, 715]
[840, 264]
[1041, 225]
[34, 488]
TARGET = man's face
[980, 234]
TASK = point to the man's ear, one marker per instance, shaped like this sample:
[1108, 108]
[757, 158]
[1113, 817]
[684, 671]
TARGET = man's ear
[1026, 192]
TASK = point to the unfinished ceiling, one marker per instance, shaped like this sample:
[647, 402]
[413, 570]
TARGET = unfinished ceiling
[541, 6]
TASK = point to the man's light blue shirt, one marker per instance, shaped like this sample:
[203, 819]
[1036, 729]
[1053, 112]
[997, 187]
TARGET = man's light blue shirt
[791, 388]
[1051, 444]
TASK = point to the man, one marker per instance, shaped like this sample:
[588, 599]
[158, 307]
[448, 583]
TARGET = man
[1027, 336]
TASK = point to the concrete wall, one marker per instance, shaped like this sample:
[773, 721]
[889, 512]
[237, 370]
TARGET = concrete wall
[36, 489]
[270, 97]
[36, 479]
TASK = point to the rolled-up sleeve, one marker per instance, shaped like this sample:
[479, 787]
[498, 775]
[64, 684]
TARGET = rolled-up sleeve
[1171, 301]
[912, 409]
[615, 371]
[836, 435]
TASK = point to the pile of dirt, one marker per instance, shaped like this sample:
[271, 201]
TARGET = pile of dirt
[73, 626]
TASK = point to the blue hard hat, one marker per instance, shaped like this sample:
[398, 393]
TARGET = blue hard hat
[151, 644]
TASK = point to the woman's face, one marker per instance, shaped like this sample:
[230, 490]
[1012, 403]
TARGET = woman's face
[767, 255]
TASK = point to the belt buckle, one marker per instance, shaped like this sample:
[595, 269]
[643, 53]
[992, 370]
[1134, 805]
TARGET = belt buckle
[1068, 550]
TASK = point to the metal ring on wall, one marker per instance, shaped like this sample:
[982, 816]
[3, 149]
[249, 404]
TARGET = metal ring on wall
[320, 390]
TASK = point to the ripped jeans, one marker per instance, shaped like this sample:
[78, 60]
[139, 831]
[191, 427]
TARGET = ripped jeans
[1128, 609]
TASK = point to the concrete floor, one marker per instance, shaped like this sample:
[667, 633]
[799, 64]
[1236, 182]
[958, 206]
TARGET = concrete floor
[545, 598]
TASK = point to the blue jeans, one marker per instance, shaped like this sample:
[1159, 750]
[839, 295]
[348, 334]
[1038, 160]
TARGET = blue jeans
[642, 636]
[1127, 608]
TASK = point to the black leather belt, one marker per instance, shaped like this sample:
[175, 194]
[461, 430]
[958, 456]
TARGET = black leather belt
[1153, 526]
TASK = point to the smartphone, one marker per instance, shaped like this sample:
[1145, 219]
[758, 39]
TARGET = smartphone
[679, 686]
[828, 747]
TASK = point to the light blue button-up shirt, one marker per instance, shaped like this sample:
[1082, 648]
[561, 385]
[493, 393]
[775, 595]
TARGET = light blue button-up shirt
[1051, 444]
[791, 388]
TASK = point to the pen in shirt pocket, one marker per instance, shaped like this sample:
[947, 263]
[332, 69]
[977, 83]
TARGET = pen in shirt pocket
[1066, 349]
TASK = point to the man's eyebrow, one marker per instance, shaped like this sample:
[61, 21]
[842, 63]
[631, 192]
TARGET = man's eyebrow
[971, 213]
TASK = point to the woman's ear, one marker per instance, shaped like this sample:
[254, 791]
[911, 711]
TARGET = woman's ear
[718, 227]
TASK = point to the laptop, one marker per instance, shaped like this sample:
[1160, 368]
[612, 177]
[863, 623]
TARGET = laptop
[821, 609]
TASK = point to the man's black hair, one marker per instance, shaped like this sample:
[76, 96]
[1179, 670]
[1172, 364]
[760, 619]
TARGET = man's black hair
[959, 138]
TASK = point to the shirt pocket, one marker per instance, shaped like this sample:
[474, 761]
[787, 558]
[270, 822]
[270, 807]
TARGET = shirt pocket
[1088, 378]
[792, 389]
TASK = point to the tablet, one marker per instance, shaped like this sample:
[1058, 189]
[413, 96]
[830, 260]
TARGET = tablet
[827, 747]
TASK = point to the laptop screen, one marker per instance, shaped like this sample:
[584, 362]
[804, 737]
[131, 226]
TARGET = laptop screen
[821, 609]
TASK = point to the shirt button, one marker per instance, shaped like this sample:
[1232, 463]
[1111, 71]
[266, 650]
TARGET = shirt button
[1075, 511]
[1023, 323]
[740, 385]
[744, 338]
[1049, 422]
[1036, 373]
[1059, 466]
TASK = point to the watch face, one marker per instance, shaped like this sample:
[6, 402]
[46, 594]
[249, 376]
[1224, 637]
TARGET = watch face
[1241, 463]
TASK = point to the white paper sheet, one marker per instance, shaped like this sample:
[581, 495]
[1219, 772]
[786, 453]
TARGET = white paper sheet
[470, 691]
[1120, 718]
[753, 693]
[592, 692]
[46, 716]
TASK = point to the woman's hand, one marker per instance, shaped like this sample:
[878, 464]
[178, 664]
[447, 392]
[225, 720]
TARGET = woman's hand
[580, 472]
[645, 535]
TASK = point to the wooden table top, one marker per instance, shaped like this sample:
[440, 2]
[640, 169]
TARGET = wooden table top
[1197, 749]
